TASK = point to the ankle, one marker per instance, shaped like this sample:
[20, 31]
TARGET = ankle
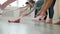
[49, 21]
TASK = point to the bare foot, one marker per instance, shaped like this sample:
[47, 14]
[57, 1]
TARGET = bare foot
[49, 21]
[14, 21]
[57, 23]
[38, 18]
[35, 19]
[44, 21]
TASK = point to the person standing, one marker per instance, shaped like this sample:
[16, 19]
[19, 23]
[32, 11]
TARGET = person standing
[51, 12]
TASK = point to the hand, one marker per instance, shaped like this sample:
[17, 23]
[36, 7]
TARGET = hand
[41, 13]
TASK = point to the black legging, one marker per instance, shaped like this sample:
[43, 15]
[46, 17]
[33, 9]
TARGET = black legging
[51, 9]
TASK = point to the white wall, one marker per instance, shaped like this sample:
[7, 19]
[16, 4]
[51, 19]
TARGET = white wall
[57, 9]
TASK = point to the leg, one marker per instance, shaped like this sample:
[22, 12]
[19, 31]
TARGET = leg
[51, 12]
[6, 3]
[36, 11]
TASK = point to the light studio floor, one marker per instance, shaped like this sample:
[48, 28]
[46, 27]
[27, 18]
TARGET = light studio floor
[28, 26]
